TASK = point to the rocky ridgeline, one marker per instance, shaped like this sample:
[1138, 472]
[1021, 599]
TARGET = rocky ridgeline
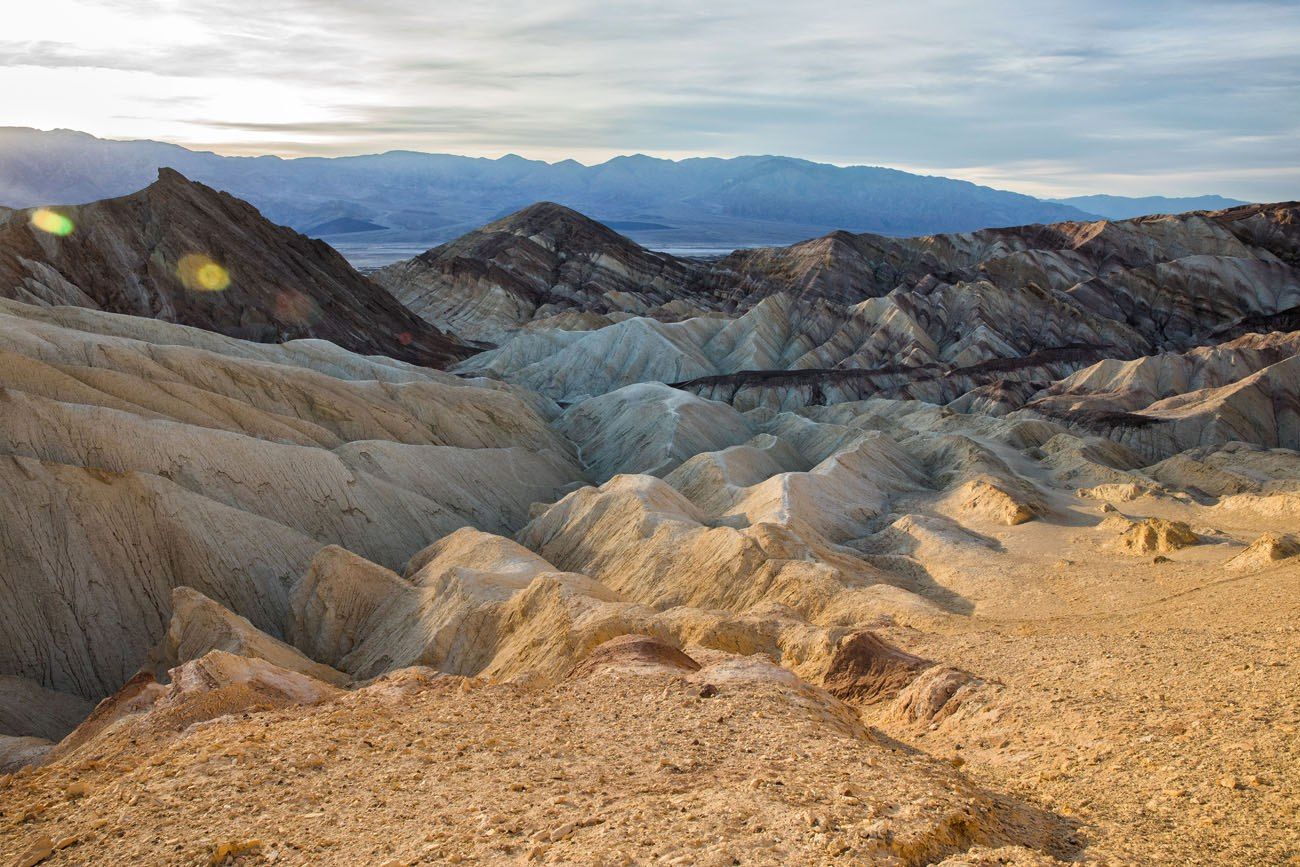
[1159, 332]
[182, 252]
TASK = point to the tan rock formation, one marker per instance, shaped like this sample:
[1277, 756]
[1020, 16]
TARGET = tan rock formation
[1151, 535]
[1264, 552]
[200, 626]
[988, 501]
[566, 767]
[142, 456]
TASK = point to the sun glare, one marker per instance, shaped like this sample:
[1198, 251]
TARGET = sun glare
[51, 222]
[199, 273]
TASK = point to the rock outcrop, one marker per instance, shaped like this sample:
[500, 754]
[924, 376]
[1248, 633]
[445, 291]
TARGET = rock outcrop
[1264, 552]
[185, 253]
[634, 653]
[1151, 535]
[139, 456]
[866, 669]
[200, 626]
[538, 263]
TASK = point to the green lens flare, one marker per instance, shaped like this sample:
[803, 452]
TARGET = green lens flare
[51, 222]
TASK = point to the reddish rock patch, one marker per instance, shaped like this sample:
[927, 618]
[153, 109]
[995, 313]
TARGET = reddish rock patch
[634, 651]
[866, 669]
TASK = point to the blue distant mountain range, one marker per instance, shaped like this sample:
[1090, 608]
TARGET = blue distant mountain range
[421, 199]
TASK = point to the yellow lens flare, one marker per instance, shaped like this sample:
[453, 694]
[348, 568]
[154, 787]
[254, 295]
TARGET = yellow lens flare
[199, 273]
[52, 222]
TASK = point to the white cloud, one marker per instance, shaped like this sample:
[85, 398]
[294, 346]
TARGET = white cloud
[1136, 97]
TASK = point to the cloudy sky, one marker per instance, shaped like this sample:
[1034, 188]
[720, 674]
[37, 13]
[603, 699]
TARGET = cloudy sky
[1120, 96]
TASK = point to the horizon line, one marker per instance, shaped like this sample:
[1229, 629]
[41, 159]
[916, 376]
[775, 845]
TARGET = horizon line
[209, 149]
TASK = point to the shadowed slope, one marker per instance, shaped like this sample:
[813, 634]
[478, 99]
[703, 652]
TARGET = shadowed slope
[185, 253]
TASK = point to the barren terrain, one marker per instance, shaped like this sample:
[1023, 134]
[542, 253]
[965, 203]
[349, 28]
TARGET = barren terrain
[967, 550]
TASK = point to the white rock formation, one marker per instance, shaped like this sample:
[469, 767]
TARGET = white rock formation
[649, 428]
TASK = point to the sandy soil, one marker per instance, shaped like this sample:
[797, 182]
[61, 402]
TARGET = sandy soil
[1156, 703]
[1131, 712]
[611, 768]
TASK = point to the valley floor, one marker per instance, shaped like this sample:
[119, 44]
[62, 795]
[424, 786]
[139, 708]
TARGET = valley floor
[1169, 732]
[1155, 722]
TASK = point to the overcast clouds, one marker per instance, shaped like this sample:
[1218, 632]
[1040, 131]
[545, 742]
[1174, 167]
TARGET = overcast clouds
[1128, 97]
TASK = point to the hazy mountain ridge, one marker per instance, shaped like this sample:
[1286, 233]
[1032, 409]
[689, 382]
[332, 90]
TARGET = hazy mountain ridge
[1125, 207]
[435, 197]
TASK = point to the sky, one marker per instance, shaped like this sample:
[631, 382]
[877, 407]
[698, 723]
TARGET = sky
[1052, 99]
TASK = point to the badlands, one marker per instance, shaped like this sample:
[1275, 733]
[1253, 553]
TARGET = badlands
[542, 547]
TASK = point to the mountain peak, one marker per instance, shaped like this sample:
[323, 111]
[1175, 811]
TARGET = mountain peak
[171, 185]
[168, 175]
[561, 225]
[544, 254]
[183, 252]
[543, 212]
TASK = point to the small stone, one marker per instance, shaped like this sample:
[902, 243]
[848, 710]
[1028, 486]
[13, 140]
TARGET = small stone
[40, 849]
[78, 789]
[537, 852]
[563, 832]
[1229, 782]
[708, 691]
[233, 849]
